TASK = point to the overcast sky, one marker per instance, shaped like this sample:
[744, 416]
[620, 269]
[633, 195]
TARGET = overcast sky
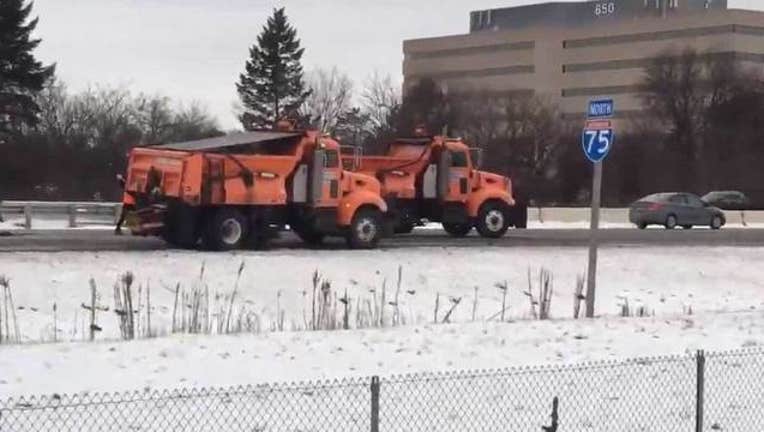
[193, 50]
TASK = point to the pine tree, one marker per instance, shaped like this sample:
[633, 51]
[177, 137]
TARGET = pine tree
[272, 85]
[21, 75]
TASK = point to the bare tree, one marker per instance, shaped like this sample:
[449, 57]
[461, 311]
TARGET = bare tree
[381, 99]
[330, 97]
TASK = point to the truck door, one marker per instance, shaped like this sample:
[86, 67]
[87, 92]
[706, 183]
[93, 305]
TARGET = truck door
[459, 175]
[325, 174]
[213, 186]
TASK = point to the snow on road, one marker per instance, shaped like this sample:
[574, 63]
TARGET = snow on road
[709, 298]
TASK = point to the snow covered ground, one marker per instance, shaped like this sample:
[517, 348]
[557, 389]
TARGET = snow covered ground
[709, 298]
[220, 361]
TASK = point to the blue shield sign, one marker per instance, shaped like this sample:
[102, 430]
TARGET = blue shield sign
[601, 108]
[597, 143]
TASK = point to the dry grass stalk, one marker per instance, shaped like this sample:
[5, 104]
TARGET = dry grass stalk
[474, 305]
[233, 297]
[8, 320]
[504, 288]
[578, 296]
[455, 301]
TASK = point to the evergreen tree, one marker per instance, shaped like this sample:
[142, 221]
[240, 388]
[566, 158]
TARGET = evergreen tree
[21, 75]
[272, 86]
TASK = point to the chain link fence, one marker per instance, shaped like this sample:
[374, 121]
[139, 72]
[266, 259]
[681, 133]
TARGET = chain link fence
[703, 392]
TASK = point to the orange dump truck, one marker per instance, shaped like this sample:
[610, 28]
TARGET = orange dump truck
[236, 190]
[434, 179]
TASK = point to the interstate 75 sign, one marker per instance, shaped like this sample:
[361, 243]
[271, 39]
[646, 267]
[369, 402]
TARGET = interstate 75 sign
[597, 139]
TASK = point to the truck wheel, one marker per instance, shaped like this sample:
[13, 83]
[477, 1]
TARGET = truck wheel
[227, 229]
[404, 228]
[493, 219]
[180, 228]
[180, 238]
[457, 229]
[308, 236]
[365, 230]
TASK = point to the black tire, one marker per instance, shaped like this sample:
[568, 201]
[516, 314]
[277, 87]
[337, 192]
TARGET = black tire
[226, 229]
[518, 215]
[180, 228]
[687, 227]
[493, 219]
[404, 228]
[309, 236]
[716, 222]
[642, 225]
[671, 222]
[366, 229]
[457, 229]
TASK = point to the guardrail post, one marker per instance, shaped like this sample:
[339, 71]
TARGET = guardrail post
[72, 217]
[700, 359]
[28, 216]
[375, 404]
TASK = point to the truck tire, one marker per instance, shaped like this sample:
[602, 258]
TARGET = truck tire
[457, 229]
[365, 229]
[404, 228]
[493, 219]
[309, 236]
[226, 229]
[180, 228]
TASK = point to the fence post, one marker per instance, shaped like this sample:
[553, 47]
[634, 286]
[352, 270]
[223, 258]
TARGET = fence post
[375, 404]
[700, 389]
[72, 217]
[28, 216]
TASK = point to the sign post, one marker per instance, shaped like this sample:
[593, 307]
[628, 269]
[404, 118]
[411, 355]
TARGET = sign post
[597, 140]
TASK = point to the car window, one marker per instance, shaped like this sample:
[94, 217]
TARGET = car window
[659, 197]
[678, 199]
[694, 201]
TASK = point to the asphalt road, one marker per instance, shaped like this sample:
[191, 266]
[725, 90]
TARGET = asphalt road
[104, 240]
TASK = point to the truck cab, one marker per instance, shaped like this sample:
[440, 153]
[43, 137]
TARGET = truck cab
[435, 179]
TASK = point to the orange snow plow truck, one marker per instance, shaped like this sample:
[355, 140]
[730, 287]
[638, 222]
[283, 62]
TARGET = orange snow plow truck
[434, 179]
[238, 190]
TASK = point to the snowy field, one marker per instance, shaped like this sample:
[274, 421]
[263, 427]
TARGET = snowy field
[710, 298]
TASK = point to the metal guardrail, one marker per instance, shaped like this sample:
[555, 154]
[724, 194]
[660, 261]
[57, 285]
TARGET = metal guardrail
[72, 209]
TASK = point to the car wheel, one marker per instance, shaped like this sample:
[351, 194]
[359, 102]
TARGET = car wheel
[365, 230]
[716, 222]
[457, 229]
[686, 227]
[227, 229]
[493, 220]
[642, 225]
[670, 222]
